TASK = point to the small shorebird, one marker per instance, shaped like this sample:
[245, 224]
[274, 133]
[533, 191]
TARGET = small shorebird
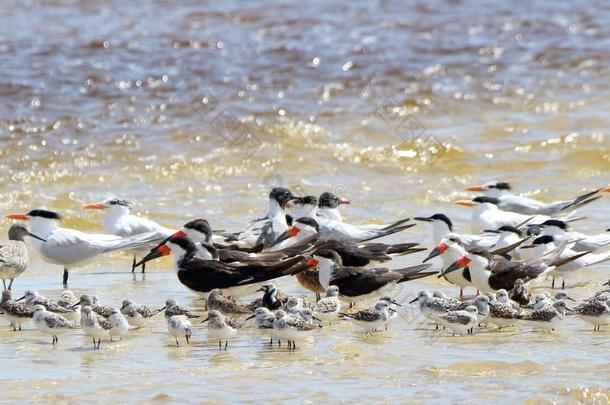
[119, 324]
[94, 325]
[179, 325]
[293, 327]
[520, 294]
[137, 315]
[272, 298]
[13, 311]
[370, 319]
[595, 312]
[88, 300]
[14, 255]
[263, 319]
[172, 308]
[548, 317]
[431, 307]
[51, 323]
[328, 308]
[32, 298]
[221, 327]
[460, 321]
[66, 300]
[225, 305]
[392, 311]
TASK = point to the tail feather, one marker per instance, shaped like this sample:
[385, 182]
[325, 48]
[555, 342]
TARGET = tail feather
[582, 200]
[382, 233]
[395, 224]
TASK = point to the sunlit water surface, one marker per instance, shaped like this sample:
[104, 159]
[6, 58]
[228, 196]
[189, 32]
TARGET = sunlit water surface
[197, 109]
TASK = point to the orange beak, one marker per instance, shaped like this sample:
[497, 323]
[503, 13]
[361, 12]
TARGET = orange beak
[311, 263]
[164, 250]
[94, 206]
[442, 248]
[293, 231]
[475, 188]
[465, 203]
[605, 190]
[21, 217]
[344, 201]
[179, 234]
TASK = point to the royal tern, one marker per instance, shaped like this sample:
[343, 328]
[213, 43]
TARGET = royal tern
[442, 225]
[352, 253]
[358, 283]
[328, 206]
[69, 247]
[544, 244]
[263, 231]
[14, 255]
[331, 229]
[202, 276]
[487, 215]
[582, 243]
[119, 221]
[529, 206]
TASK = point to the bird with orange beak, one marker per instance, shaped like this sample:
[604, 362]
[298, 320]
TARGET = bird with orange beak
[68, 247]
[528, 206]
[119, 221]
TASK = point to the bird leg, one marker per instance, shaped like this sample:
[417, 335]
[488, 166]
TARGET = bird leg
[143, 267]
[187, 339]
[4, 283]
[10, 285]
[461, 294]
[318, 296]
[294, 345]
[65, 278]
[226, 344]
[553, 283]
[563, 284]
[133, 264]
[219, 344]
[99, 342]
[177, 344]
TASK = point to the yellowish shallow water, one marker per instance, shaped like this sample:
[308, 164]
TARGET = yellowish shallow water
[197, 109]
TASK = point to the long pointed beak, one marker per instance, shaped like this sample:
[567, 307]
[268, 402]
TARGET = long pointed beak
[21, 217]
[413, 300]
[75, 305]
[424, 219]
[94, 206]
[395, 303]
[392, 310]
[434, 253]
[458, 264]
[205, 320]
[344, 201]
[250, 317]
[154, 254]
[289, 233]
[570, 298]
[491, 231]
[605, 190]
[36, 237]
[20, 299]
[474, 188]
[607, 283]
[161, 309]
[260, 289]
[464, 203]
[316, 318]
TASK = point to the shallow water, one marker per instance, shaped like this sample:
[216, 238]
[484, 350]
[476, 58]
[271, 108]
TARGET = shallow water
[197, 109]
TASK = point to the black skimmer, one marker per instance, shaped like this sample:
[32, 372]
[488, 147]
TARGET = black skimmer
[492, 272]
[14, 255]
[202, 276]
[119, 221]
[529, 206]
[358, 283]
[69, 247]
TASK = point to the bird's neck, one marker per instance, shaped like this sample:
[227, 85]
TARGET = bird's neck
[327, 269]
[113, 215]
[439, 229]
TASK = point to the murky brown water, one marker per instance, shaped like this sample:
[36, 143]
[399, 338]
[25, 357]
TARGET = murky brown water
[196, 109]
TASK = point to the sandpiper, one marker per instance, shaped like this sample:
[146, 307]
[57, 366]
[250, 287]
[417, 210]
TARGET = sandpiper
[66, 300]
[595, 312]
[393, 311]
[13, 311]
[263, 319]
[119, 324]
[328, 308]
[548, 317]
[502, 297]
[225, 305]
[137, 315]
[502, 314]
[293, 327]
[519, 293]
[32, 298]
[179, 325]
[371, 319]
[221, 327]
[91, 301]
[94, 325]
[50, 323]
[460, 321]
[172, 308]
[431, 307]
